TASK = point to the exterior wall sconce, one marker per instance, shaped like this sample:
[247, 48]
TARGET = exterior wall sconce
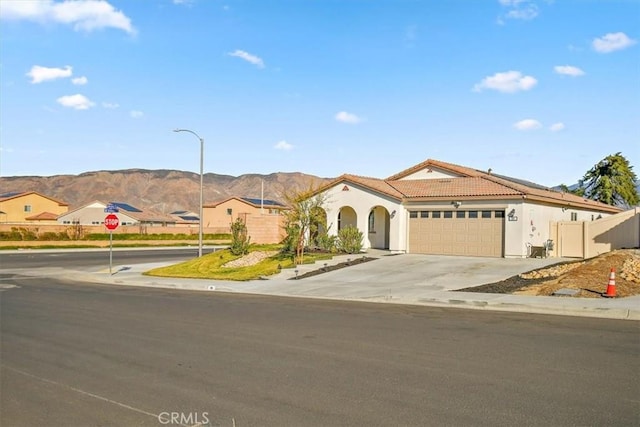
[512, 215]
[456, 204]
[392, 214]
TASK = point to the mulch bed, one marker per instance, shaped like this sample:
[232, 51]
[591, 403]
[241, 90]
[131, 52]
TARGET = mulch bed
[329, 268]
[506, 286]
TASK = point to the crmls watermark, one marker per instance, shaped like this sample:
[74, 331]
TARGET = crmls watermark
[183, 418]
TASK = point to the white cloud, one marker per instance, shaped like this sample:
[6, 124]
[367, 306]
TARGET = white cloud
[135, 114]
[85, 15]
[80, 81]
[508, 82]
[110, 105]
[283, 145]
[568, 70]
[345, 117]
[248, 57]
[41, 74]
[612, 42]
[525, 10]
[77, 101]
[527, 124]
[556, 127]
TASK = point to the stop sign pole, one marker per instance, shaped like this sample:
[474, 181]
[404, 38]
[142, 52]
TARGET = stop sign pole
[111, 221]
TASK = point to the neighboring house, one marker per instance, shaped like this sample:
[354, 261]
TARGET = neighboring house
[441, 208]
[94, 214]
[30, 208]
[185, 218]
[263, 218]
[224, 212]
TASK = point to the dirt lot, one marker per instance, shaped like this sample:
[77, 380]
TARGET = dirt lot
[589, 277]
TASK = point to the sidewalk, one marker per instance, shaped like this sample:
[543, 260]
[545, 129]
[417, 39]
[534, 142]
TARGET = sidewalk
[402, 279]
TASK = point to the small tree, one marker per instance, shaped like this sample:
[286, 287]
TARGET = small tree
[239, 239]
[611, 181]
[350, 239]
[302, 218]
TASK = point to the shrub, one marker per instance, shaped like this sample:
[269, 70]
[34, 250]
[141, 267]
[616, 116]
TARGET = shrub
[350, 239]
[327, 242]
[239, 238]
[52, 236]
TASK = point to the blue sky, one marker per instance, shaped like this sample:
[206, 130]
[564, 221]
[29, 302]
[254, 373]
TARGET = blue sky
[540, 90]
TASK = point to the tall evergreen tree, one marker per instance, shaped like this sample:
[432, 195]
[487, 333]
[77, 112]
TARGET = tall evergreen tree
[611, 181]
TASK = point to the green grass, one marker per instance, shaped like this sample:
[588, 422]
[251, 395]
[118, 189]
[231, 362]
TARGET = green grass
[210, 266]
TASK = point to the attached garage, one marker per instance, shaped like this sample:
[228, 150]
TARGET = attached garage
[457, 232]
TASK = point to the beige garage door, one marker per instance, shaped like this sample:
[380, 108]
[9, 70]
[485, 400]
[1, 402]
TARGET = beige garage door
[471, 233]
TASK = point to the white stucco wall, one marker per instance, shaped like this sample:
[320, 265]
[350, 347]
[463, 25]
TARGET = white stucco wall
[432, 173]
[362, 200]
[533, 225]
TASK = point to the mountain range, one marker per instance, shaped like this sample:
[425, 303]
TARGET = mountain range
[162, 190]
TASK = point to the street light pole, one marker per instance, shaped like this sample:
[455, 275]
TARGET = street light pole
[201, 185]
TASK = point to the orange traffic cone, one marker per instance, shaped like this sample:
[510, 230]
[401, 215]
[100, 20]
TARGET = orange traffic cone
[611, 287]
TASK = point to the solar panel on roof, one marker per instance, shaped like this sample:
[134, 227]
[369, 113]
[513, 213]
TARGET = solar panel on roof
[522, 182]
[263, 202]
[125, 207]
[11, 194]
[178, 212]
[189, 218]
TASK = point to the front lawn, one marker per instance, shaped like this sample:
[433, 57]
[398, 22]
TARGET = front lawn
[210, 266]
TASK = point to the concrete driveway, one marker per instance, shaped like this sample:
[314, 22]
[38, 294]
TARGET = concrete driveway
[391, 276]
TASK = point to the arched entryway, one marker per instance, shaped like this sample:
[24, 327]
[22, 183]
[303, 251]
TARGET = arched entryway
[378, 228]
[347, 216]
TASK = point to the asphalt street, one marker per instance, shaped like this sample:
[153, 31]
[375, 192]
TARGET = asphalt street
[84, 258]
[85, 354]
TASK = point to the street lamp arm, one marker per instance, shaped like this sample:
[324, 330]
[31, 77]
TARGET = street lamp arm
[190, 131]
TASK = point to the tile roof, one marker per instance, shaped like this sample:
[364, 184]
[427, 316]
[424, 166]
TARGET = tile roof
[43, 216]
[469, 183]
[16, 194]
[250, 201]
[452, 187]
[375, 184]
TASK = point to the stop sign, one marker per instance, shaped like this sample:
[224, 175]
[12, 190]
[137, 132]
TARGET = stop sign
[111, 222]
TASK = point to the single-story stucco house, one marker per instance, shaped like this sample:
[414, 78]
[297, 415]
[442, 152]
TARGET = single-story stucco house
[436, 207]
[94, 214]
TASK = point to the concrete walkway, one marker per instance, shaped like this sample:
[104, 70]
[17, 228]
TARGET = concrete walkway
[398, 279]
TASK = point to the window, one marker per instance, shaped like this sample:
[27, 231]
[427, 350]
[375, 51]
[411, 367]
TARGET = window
[574, 216]
[486, 214]
[424, 214]
[448, 214]
[27, 208]
[435, 214]
[460, 214]
[498, 214]
[372, 222]
[473, 214]
[229, 211]
[413, 214]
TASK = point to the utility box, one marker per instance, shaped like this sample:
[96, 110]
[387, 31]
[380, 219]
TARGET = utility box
[538, 252]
